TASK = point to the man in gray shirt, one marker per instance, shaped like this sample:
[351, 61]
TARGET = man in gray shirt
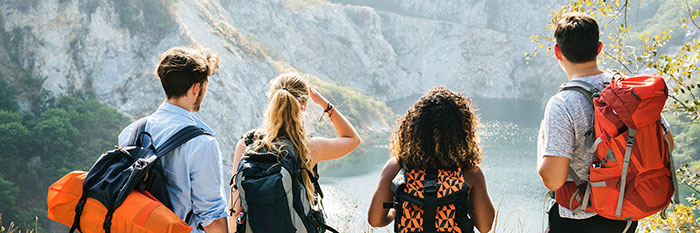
[567, 117]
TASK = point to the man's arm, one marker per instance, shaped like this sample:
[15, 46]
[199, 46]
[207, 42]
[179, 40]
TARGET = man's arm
[553, 170]
[555, 145]
[217, 226]
[208, 203]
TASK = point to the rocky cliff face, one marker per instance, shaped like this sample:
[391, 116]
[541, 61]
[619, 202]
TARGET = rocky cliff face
[391, 49]
[69, 49]
[395, 49]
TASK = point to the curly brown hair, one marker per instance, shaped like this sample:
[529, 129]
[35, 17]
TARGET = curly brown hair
[438, 131]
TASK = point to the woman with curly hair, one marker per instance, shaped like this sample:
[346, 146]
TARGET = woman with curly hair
[432, 182]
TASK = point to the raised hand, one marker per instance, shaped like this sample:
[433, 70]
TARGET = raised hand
[318, 98]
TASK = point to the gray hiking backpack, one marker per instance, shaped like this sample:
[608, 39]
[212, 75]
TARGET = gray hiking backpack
[272, 191]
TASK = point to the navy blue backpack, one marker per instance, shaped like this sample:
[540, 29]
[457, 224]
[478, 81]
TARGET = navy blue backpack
[272, 191]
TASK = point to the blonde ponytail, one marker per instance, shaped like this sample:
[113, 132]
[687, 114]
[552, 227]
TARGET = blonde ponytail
[283, 117]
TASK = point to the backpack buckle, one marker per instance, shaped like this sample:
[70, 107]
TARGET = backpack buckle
[430, 186]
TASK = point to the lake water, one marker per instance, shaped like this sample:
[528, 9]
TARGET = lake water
[509, 167]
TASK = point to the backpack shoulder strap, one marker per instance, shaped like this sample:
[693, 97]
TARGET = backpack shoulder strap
[180, 138]
[583, 87]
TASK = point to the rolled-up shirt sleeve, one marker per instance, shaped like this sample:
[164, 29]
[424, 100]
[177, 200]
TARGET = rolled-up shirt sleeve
[208, 201]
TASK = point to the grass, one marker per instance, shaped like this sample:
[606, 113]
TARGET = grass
[15, 229]
[234, 41]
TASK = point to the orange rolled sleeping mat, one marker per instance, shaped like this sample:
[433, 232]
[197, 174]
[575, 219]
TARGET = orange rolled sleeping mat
[139, 213]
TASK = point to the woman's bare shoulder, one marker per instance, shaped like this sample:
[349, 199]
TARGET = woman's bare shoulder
[474, 176]
[391, 168]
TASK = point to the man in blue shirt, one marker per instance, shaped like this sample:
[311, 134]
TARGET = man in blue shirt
[193, 171]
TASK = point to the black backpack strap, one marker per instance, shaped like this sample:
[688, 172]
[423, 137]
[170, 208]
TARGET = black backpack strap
[314, 179]
[329, 228]
[464, 207]
[397, 189]
[180, 138]
[78, 213]
[430, 204]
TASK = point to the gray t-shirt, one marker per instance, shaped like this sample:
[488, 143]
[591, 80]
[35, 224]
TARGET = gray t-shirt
[567, 117]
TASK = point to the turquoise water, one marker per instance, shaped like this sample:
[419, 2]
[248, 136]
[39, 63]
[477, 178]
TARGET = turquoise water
[509, 167]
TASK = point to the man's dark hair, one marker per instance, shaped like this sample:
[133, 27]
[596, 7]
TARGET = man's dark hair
[181, 67]
[577, 36]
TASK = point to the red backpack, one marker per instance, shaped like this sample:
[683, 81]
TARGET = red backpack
[632, 175]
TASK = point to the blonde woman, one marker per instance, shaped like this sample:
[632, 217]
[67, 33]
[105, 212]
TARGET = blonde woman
[275, 188]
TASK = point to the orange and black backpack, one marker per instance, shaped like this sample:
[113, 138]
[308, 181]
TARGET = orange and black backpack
[632, 175]
[431, 200]
[124, 191]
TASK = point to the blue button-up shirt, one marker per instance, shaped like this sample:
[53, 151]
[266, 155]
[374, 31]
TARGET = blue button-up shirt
[193, 171]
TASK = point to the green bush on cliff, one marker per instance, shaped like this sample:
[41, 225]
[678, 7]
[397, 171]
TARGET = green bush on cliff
[8, 99]
[39, 149]
[149, 17]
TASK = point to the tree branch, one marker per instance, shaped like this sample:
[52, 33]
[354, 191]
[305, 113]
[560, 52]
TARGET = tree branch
[690, 15]
[619, 62]
[693, 188]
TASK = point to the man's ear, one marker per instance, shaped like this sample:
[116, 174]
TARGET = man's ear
[600, 47]
[194, 90]
[557, 52]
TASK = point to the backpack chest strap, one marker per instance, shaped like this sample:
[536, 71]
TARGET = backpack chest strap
[430, 189]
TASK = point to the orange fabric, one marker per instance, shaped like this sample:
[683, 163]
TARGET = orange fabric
[449, 181]
[146, 212]
[414, 182]
[140, 213]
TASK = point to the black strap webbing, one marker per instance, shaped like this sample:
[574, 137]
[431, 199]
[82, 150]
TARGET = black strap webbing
[180, 138]
[430, 205]
[78, 213]
[328, 228]
[189, 216]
